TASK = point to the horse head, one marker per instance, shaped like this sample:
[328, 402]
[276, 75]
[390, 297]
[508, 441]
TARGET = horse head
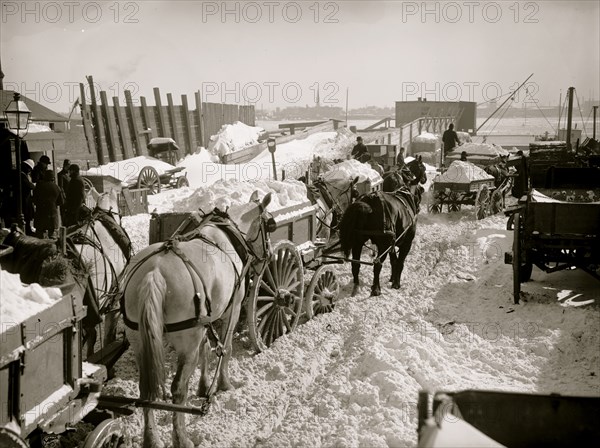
[259, 223]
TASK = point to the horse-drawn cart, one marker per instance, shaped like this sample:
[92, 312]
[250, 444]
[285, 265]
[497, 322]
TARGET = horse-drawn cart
[558, 227]
[465, 183]
[276, 298]
[45, 384]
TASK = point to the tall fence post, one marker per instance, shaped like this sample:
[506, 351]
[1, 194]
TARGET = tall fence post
[162, 128]
[200, 116]
[109, 128]
[123, 129]
[133, 124]
[96, 122]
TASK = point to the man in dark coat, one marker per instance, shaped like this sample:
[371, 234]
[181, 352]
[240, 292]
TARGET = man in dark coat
[360, 151]
[27, 189]
[39, 169]
[47, 199]
[450, 139]
[75, 196]
[62, 180]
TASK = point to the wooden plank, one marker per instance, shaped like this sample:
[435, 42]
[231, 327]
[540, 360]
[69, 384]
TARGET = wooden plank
[172, 118]
[188, 131]
[147, 123]
[97, 126]
[133, 124]
[200, 119]
[123, 129]
[86, 117]
[110, 129]
[163, 130]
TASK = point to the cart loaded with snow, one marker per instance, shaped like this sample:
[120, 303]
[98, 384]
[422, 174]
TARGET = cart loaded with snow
[294, 285]
[557, 224]
[45, 384]
[465, 183]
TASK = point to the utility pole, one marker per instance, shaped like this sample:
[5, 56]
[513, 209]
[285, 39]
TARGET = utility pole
[595, 108]
[570, 117]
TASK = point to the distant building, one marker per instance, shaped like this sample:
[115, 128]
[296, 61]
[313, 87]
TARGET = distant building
[464, 111]
[45, 129]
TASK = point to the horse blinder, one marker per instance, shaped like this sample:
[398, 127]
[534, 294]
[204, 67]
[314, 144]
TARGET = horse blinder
[270, 225]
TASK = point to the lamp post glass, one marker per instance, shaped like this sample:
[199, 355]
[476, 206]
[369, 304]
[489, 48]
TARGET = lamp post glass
[17, 117]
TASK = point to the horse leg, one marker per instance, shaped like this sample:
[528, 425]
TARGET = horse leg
[204, 383]
[224, 380]
[403, 251]
[395, 269]
[91, 337]
[376, 288]
[356, 252]
[110, 327]
[186, 363]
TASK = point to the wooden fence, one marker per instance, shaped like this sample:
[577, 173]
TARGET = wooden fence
[117, 132]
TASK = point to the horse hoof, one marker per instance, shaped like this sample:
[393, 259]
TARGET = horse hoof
[395, 285]
[375, 292]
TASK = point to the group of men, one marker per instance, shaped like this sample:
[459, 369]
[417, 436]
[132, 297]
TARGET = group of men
[42, 196]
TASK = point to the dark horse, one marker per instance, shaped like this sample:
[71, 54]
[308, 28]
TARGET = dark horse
[389, 220]
[413, 173]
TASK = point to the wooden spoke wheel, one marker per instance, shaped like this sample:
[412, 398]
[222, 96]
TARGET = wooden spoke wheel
[276, 296]
[108, 434]
[482, 202]
[149, 178]
[87, 185]
[10, 439]
[435, 205]
[522, 267]
[454, 202]
[182, 182]
[496, 202]
[322, 293]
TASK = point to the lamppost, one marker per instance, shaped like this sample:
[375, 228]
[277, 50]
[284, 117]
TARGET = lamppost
[17, 116]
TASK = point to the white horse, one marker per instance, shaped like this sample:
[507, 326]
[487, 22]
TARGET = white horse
[104, 248]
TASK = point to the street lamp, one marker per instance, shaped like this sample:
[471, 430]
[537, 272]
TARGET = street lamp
[17, 117]
[272, 146]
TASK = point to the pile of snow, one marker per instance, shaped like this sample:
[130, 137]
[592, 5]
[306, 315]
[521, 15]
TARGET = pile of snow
[233, 137]
[127, 171]
[349, 169]
[464, 137]
[462, 173]
[480, 149]
[426, 137]
[233, 195]
[20, 301]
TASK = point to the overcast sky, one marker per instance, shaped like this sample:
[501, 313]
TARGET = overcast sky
[277, 53]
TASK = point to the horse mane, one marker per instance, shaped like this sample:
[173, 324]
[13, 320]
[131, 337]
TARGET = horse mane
[116, 231]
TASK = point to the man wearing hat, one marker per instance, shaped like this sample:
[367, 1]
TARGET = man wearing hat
[27, 187]
[75, 196]
[39, 169]
[360, 151]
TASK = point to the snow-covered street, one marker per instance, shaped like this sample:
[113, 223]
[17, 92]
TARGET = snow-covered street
[351, 377]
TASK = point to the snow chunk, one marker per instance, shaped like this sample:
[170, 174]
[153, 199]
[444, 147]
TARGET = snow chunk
[233, 137]
[463, 173]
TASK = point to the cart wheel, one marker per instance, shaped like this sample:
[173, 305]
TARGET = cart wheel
[10, 439]
[275, 296]
[482, 201]
[182, 182]
[87, 185]
[510, 223]
[149, 178]
[454, 202]
[108, 434]
[496, 202]
[322, 292]
[435, 205]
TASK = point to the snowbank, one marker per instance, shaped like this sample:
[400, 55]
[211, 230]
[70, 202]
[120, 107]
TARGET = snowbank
[462, 173]
[20, 301]
[232, 137]
[127, 171]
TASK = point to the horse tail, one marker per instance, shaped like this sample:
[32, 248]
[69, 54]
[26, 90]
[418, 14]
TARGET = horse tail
[351, 221]
[152, 291]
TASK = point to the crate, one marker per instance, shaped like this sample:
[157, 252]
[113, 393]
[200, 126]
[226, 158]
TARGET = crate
[133, 201]
[41, 368]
